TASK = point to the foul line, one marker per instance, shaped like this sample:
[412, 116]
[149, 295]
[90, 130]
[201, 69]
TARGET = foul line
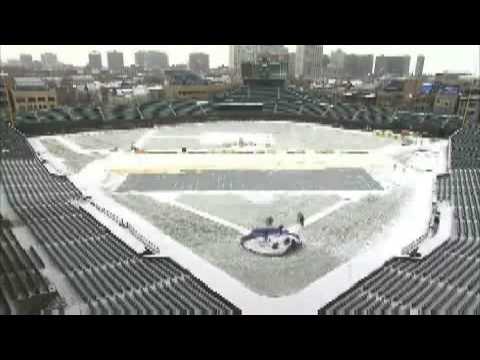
[140, 142]
[240, 229]
[71, 145]
[316, 217]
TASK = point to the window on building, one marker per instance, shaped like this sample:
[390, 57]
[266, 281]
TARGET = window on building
[42, 99]
[20, 100]
[31, 99]
[52, 99]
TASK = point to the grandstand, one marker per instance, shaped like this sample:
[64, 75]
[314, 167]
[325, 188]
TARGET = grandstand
[446, 280]
[107, 277]
[23, 289]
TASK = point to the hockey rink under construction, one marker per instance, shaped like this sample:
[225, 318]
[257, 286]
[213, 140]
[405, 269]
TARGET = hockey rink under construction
[195, 189]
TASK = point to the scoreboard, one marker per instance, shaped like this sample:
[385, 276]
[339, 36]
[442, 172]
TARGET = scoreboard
[265, 72]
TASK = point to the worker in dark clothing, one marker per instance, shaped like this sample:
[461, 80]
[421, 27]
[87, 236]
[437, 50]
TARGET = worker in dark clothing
[301, 219]
[269, 221]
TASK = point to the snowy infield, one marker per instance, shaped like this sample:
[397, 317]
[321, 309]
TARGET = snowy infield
[335, 237]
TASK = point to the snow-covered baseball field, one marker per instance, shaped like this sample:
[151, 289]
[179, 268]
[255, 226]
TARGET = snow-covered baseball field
[349, 230]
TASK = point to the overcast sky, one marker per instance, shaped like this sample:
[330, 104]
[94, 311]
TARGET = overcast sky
[438, 57]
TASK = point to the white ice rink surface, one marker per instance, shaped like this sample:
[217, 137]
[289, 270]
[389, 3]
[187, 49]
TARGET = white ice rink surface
[95, 181]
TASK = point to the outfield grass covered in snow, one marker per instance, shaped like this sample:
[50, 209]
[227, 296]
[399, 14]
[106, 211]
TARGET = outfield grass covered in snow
[72, 160]
[285, 135]
[121, 139]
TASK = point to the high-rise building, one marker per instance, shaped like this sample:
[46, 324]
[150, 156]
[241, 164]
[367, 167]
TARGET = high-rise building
[392, 65]
[95, 60]
[14, 63]
[238, 55]
[337, 59]
[357, 67]
[140, 58]
[49, 61]
[309, 62]
[151, 60]
[419, 65]
[115, 61]
[271, 50]
[26, 60]
[156, 60]
[199, 63]
[291, 65]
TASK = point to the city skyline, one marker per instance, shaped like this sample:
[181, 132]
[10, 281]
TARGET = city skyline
[438, 58]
